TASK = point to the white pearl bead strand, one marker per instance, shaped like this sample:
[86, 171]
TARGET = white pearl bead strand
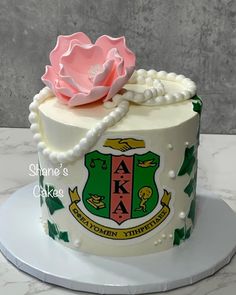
[153, 95]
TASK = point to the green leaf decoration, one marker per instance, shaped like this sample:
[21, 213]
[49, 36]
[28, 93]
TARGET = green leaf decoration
[41, 179]
[56, 234]
[178, 235]
[52, 230]
[52, 201]
[188, 233]
[197, 104]
[197, 107]
[191, 213]
[191, 185]
[189, 188]
[41, 198]
[188, 163]
[63, 235]
[198, 134]
[181, 234]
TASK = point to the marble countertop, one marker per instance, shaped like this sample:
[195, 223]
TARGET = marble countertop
[216, 173]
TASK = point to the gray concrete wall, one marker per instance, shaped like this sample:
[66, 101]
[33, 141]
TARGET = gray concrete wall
[194, 38]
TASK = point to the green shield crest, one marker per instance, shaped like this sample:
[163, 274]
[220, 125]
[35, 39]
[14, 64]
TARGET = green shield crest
[121, 187]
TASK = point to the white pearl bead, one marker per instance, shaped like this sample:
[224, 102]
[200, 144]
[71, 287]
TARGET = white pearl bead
[32, 117]
[169, 98]
[171, 174]
[186, 94]
[148, 93]
[70, 155]
[163, 236]
[46, 152]
[77, 150]
[141, 80]
[46, 91]
[34, 127]
[156, 83]
[171, 76]
[41, 146]
[77, 243]
[170, 236]
[160, 100]
[112, 118]
[151, 73]
[154, 92]
[180, 77]
[149, 81]
[162, 92]
[161, 74]
[139, 97]
[36, 98]
[178, 96]
[61, 157]
[53, 157]
[141, 72]
[170, 146]
[155, 243]
[109, 104]
[41, 98]
[91, 132]
[33, 106]
[37, 137]
[186, 81]
[105, 123]
[120, 110]
[182, 215]
[192, 91]
[129, 95]
[83, 143]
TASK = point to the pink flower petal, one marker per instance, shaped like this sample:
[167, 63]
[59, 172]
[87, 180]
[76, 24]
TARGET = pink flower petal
[113, 68]
[107, 43]
[70, 81]
[82, 72]
[64, 88]
[80, 60]
[63, 43]
[118, 84]
[49, 79]
[95, 94]
[101, 78]
[119, 60]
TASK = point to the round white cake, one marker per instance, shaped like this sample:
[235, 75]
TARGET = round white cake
[125, 185]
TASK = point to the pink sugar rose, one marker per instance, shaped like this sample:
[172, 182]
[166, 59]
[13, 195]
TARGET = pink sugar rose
[82, 72]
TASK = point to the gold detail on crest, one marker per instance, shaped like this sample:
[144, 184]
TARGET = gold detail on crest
[96, 201]
[145, 193]
[118, 233]
[166, 197]
[124, 144]
[146, 164]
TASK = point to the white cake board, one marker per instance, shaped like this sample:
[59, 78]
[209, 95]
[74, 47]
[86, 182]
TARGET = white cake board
[24, 243]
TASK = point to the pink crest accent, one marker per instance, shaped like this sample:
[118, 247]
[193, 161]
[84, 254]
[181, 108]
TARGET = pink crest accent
[82, 72]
